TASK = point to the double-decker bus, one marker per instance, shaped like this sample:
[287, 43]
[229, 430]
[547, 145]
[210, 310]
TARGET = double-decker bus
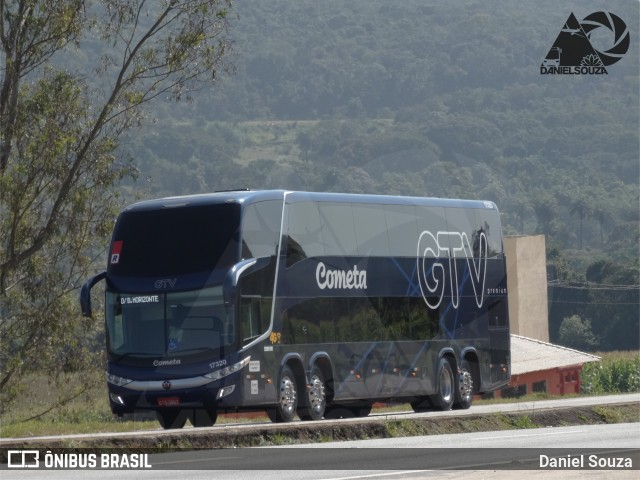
[299, 303]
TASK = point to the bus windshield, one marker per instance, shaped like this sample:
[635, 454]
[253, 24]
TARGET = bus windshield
[176, 324]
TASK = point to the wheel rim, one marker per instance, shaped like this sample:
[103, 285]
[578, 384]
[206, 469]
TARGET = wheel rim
[446, 385]
[466, 385]
[288, 398]
[316, 394]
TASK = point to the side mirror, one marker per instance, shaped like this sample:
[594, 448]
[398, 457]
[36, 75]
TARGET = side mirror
[85, 293]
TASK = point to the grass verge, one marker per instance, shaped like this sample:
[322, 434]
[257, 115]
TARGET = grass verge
[89, 413]
[335, 430]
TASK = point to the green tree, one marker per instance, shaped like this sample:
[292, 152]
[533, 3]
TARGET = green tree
[614, 291]
[576, 333]
[521, 207]
[59, 161]
[545, 207]
[602, 213]
[581, 207]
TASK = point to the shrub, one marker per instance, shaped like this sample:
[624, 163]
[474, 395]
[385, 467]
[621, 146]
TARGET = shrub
[618, 375]
[576, 333]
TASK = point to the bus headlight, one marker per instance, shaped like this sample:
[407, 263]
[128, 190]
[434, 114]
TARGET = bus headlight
[226, 371]
[117, 380]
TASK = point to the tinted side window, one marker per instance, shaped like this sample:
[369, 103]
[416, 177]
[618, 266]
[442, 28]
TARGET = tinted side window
[371, 230]
[338, 233]
[464, 221]
[359, 319]
[261, 229]
[433, 221]
[255, 313]
[402, 230]
[491, 223]
[475, 222]
[304, 232]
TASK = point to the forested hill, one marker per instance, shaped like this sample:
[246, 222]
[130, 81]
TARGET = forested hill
[424, 97]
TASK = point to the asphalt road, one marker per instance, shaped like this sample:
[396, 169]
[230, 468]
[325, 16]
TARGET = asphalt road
[480, 454]
[519, 407]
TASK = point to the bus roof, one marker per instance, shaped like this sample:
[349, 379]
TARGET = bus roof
[252, 196]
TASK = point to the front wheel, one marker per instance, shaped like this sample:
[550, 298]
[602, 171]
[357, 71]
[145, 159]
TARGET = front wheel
[171, 418]
[287, 405]
[203, 417]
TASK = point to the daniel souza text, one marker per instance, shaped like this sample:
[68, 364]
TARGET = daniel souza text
[573, 70]
[585, 462]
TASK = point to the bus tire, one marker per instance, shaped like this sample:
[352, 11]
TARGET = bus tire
[314, 400]
[361, 411]
[445, 396]
[285, 409]
[348, 411]
[464, 384]
[334, 412]
[422, 404]
[203, 417]
[171, 418]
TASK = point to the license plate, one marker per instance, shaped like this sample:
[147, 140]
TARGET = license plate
[169, 401]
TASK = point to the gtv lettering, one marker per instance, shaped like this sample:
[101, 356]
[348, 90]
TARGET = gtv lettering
[440, 251]
[165, 283]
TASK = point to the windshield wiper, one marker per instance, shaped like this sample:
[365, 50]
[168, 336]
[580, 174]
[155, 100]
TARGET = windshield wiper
[251, 339]
[193, 350]
[120, 356]
[174, 353]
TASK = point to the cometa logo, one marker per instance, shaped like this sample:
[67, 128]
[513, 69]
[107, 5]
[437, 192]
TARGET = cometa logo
[340, 279]
[573, 52]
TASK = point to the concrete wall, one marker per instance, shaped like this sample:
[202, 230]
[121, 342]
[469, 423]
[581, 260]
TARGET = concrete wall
[527, 286]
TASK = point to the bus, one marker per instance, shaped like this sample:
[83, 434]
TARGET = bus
[307, 304]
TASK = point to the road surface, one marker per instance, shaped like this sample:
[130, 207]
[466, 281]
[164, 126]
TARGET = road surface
[394, 458]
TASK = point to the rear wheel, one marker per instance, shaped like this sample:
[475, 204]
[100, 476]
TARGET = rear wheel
[362, 410]
[347, 411]
[287, 405]
[314, 401]
[444, 398]
[464, 390]
[338, 411]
